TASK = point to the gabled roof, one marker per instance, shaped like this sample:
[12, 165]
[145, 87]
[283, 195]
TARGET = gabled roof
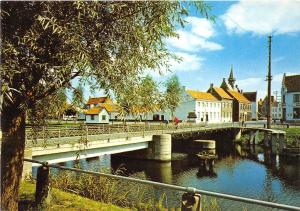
[251, 96]
[239, 97]
[292, 83]
[94, 110]
[97, 100]
[201, 95]
[221, 92]
[110, 107]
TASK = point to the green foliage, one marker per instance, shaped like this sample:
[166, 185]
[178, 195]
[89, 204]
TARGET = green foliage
[47, 44]
[140, 98]
[173, 94]
[78, 98]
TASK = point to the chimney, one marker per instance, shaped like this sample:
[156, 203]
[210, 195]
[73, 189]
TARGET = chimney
[224, 79]
[241, 91]
[211, 88]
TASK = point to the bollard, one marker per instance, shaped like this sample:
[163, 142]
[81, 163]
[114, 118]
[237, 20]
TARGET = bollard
[42, 197]
[191, 202]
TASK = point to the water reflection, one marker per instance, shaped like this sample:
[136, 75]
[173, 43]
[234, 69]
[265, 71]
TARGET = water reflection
[249, 172]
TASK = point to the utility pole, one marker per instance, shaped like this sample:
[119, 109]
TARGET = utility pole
[269, 79]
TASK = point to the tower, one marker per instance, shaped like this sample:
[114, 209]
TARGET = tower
[231, 79]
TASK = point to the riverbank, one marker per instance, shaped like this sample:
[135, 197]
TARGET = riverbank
[61, 200]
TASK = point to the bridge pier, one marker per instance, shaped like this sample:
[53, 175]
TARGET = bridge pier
[160, 148]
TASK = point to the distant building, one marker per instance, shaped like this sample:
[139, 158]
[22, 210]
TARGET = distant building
[290, 95]
[252, 97]
[97, 115]
[205, 106]
[226, 102]
[276, 110]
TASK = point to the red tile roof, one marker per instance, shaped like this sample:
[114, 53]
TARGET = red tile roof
[292, 83]
[251, 96]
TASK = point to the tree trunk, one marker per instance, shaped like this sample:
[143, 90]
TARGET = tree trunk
[12, 153]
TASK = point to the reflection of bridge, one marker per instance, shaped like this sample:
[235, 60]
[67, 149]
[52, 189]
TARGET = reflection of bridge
[62, 144]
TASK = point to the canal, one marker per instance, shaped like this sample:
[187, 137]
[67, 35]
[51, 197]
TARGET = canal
[247, 172]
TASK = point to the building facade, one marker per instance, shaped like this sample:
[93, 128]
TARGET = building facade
[226, 102]
[290, 95]
[205, 106]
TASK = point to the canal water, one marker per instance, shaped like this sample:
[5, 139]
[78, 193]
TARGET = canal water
[244, 172]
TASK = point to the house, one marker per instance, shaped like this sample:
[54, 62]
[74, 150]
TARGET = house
[205, 106]
[226, 102]
[290, 95]
[252, 97]
[97, 114]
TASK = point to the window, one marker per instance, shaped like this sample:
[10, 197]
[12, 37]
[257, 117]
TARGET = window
[296, 98]
[283, 98]
[198, 104]
[296, 113]
[198, 115]
[104, 117]
[92, 117]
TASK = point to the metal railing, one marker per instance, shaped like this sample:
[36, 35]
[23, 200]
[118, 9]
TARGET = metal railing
[190, 190]
[87, 130]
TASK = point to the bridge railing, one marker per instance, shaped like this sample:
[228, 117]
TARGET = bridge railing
[43, 182]
[88, 130]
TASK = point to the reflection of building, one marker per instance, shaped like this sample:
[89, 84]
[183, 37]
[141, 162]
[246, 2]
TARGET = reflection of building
[226, 102]
[206, 107]
[241, 105]
[252, 97]
[290, 93]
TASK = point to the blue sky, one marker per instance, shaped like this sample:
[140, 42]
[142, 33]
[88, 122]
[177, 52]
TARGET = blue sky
[238, 38]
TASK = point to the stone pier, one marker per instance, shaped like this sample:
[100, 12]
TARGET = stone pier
[160, 148]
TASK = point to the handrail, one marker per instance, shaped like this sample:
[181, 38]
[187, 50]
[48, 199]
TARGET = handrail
[174, 187]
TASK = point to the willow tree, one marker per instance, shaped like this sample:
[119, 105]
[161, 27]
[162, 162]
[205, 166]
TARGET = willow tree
[47, 44]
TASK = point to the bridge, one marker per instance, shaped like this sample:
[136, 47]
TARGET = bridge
[146, 141]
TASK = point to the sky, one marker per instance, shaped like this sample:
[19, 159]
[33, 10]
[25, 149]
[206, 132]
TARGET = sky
[239, 37]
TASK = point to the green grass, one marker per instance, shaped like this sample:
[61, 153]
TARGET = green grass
[292, 134]
[61, 200]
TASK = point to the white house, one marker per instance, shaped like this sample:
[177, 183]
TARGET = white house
[204, 105]
[97, 115]
[290, 95]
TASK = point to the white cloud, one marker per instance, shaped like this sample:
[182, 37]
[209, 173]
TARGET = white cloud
[201, 26]
[188, 62]
[195, 36]
[190, 42]
[263, 17]
[259, 84]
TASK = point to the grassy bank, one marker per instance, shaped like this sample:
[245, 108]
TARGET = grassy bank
[61, 200]
[292, 134]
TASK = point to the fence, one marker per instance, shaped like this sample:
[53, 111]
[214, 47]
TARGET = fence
[86, 130]
[190, 193]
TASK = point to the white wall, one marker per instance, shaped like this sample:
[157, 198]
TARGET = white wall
[212, 108]
[184, 108]
[98, 117]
